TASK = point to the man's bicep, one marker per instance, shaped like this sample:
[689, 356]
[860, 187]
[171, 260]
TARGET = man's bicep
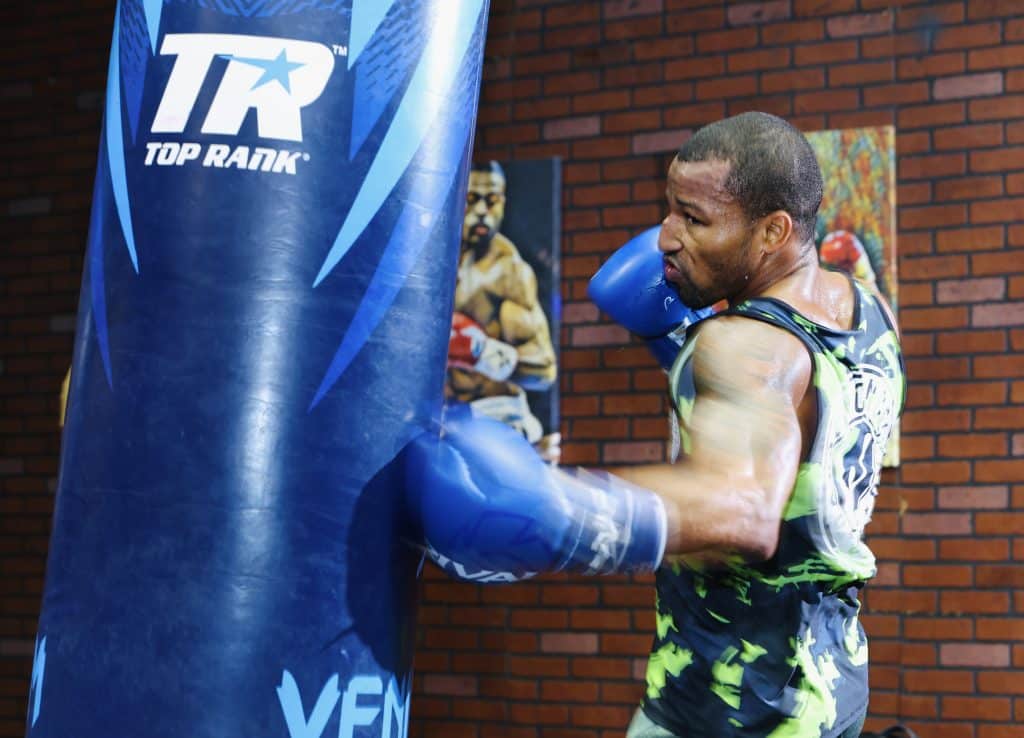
[750, 379]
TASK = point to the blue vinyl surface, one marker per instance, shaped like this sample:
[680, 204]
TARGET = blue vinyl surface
[263, 324]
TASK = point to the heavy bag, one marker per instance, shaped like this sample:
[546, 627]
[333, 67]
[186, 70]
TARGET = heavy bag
[263, 323]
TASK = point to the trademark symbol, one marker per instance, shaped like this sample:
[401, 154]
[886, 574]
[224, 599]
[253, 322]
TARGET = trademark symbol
[339, 50]
[305, 157]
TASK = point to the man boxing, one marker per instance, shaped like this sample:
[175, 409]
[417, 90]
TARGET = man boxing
[500, 340]
[784, 401]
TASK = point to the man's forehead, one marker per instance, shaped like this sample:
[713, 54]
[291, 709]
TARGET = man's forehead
[486, 181]
[705, 179]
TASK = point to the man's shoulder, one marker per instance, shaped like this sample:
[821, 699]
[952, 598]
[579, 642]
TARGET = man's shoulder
[748, 353]
[503, 248]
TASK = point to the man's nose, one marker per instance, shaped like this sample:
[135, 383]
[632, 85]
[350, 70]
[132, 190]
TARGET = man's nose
[667, 243]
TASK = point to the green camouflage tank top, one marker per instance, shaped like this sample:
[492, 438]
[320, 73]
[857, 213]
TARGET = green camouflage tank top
[775, 649]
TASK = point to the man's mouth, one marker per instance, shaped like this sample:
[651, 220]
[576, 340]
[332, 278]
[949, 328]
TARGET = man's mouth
[672, 272]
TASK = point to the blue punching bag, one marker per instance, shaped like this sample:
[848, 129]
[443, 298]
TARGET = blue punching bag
[263, 325]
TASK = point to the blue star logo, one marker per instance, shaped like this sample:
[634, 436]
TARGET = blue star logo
[273, 69]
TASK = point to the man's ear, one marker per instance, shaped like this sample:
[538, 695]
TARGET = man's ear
[776, 230]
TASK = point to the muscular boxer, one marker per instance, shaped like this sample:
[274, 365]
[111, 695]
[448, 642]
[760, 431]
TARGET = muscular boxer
[501, 342]
[785, 402]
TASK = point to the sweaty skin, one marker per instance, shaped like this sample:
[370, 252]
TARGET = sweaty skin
[754, 415]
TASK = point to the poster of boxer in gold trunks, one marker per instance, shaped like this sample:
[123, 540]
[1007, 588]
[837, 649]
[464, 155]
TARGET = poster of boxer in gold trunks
[856, 229]
[502, 354]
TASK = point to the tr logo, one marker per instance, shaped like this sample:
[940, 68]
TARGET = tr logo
[276, 76]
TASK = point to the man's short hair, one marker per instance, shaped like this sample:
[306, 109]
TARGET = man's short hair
[490, 167]
[772, 166]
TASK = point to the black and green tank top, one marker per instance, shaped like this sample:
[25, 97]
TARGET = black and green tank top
[775, 649]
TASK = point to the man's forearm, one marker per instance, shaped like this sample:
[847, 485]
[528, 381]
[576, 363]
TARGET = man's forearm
[710, 513]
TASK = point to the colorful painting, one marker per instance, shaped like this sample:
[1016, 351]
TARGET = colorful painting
[503, 352]
[856, 228]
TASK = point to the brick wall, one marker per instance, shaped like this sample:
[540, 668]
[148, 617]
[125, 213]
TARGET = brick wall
[613, 87]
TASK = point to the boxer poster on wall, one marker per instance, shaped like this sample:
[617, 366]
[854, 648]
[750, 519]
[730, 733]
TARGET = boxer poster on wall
[856, 228]
[503, 352]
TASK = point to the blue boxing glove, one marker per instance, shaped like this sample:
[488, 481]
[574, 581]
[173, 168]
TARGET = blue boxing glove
[490, 510]
[631, 288]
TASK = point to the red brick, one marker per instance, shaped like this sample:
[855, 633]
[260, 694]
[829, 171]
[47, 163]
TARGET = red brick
[975, 238]
[974, 497]
[919, 116]
[933, 318]
[627, 30]
[797, 79]
[731, 40]
[999, 366]
[1004, 314]
[901, 600]
[968, 85]
[703, 19]
[694, 115]
[732, 86]
[969, 137]
[933, 267]
[976, 708]
[936, 165]
[969, 188]
[991, 8]
[797, 31]
[997, 108]
[758, 12]
[973, 445]
[1002, 417]
[567, 642]
[822, 7]
[948, 13]
[1007, 55]
[825, 53]
[624, 8]
[694, 68]
[1001, 523]
[1001, 629]
[862, 119]
[937, 524]
[972, 393]
[1000, 682]
[859, 25]
[931, 65]
[971, 290]
[937, 576]
[969, 36]
[859, 73]
[905, 549]
[578, 127]
[974, 549]
[995, 263]
[571, 14]
[747, 61]
[635, 452]
[998, 160]
[826, 101]
[999, 471]
[894, 45]
[632, 75]
[897, 93]
[938, 680]
[962, 654]
[670, 47]
[936, 420]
